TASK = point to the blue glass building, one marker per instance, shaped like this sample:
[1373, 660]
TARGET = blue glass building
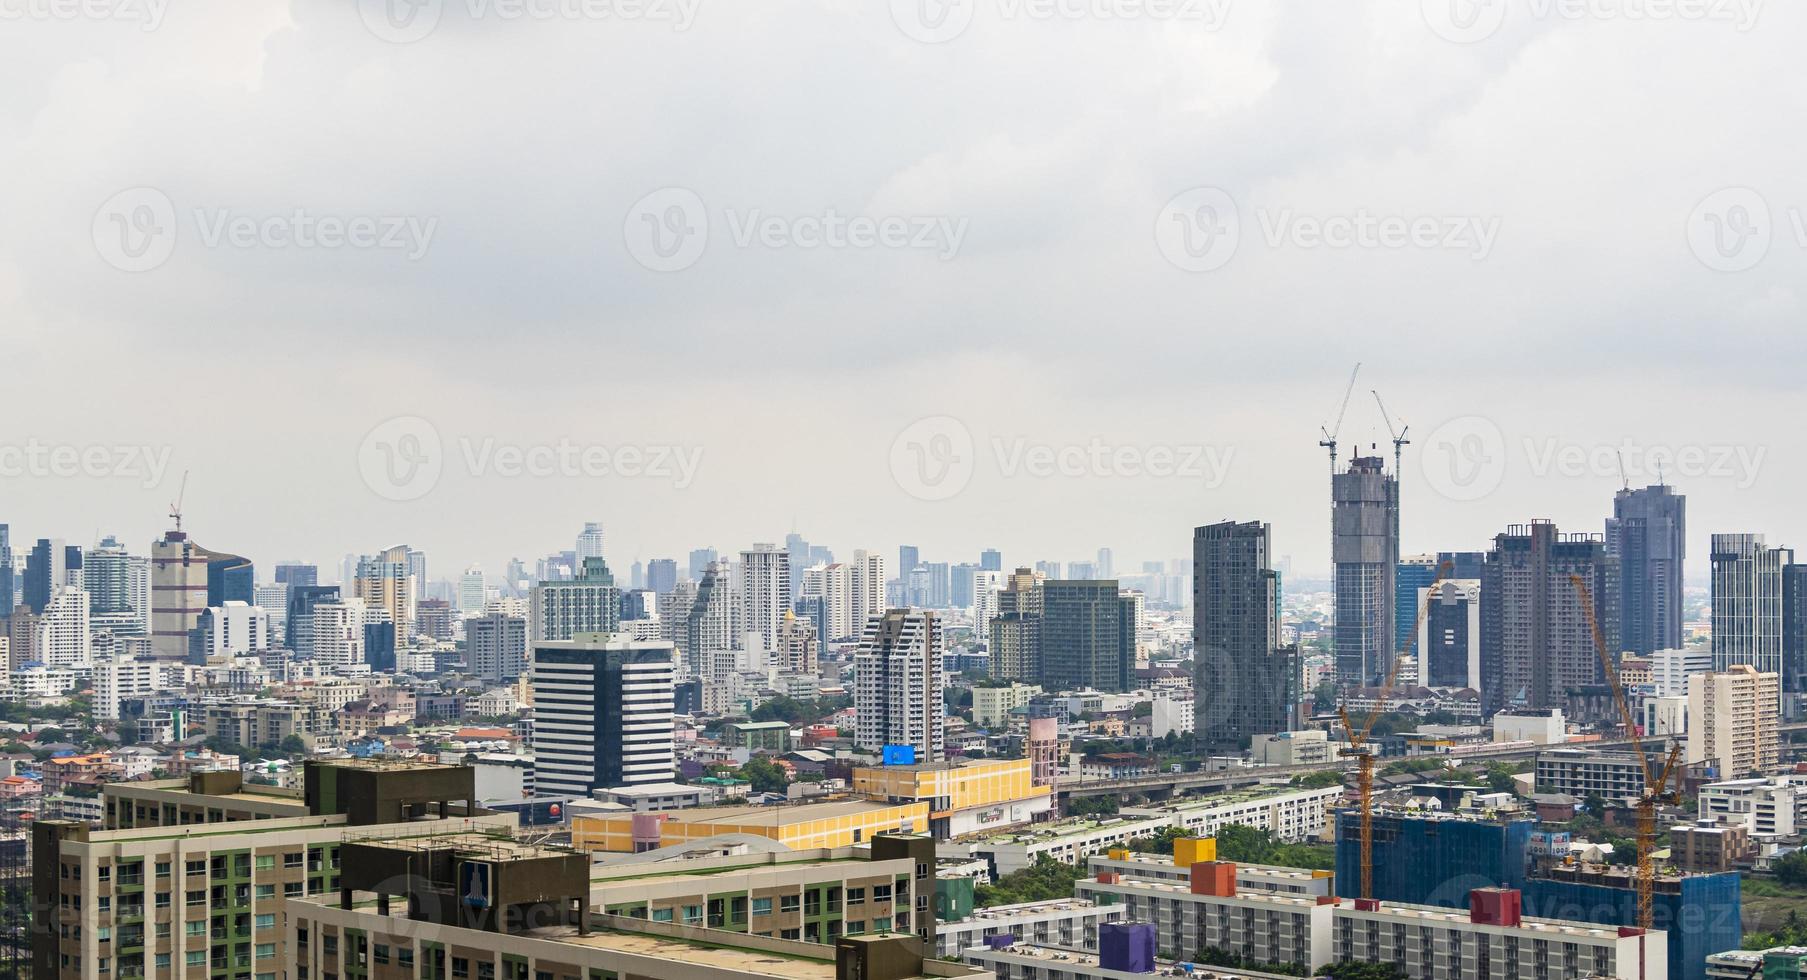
[1433, 860]
[1703, 914]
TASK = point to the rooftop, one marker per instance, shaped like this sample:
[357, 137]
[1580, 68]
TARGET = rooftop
[755, 961]
[777, 814]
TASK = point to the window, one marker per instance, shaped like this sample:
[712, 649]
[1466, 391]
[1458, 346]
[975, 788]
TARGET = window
[195, 957]
[266, 920]
[292, 889]
[856, 896]
[381, 953]
[266, 862]
[163, 869]
[762, 906]
[661, 915]
[881, 893]
[266, 891]
[196, 867]
[266, 951]
[162, 961]
[693, 914]
[881, 924]
[461, 967]
[163, 900]
[292, 860]
[197, 897]
[789, 903]
[404, 956]
[197, 928]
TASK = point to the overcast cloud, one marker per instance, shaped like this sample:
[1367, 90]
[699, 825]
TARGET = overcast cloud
[701, 269]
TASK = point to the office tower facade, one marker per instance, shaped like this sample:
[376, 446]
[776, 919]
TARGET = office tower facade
[700, 560]
[661, 575]
[293, 573]
[588, 603]
[1732, 721]
[1462, 564]
[637, 574]
[1015, 630]
[1365, 549]
[185, 579]
[63, 638]
[1794, 640]
[336, 633]
[8, 589]
[1747, 602]
[765, 592]
[235, 629]
[47, 570]
[119, 589]
[473, 590]
[379, 646]
[1646, 539]
[1414, 572]
[1449, 637]
[991, 560]
[712, 633]
[960, 584]
[1536, 647]
[898, 695]
[1088, 636]
[387, 581]
[298, 625]
[602, 715]
[908, 557]
[589, 543]
[1244, 682]
[497, 645]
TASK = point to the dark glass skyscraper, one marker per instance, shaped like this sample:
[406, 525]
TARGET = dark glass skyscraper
[293, 574]
[1088, 636]
[6, 570]
[1536, 648]
[1244, 683]
[662, 575]
[1646, 539]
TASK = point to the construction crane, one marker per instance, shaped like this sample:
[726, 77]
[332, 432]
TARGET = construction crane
[1330, 434]
[1656, 782]
[1364, 754]
[175, 508]
[1399, 439]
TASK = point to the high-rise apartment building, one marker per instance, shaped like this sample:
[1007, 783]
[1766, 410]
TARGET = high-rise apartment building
[63, 638]
[298, 625]
[1794, 640]
[589, 543]
[897, 692]
[1088, 636]
[497, 647]
[1449, 636]
[1536, 646]
[119, 589]
[1015, 630]
[765, 592]
[1244, 682]
[587, 603]
[602, 714]
[1646, 540]
[336, 632]
[235, 629]
[711, 628]
[798, 650]
[1732, 721]
[387, 581]
[1365, 548]
[8, 588]
[866, 587]
[1748, 602]
[49, 566]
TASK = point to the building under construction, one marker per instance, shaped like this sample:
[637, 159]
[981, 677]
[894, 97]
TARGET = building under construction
[1365, 548]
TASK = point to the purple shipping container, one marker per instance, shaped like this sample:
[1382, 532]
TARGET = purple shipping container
[1126, 946]
[1000, 942]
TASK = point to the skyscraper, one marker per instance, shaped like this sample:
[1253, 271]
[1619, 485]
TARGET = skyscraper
[1646, 539]
[798, 650]
[185, 579]
[711, 629]
[908, 557]
[1365, 547]
[1794, 640]
[1414, 572]
[1015, 630]
[1106, 564]
[898, 695]
[1088, 636]
[1536, 647]
[1449, 638]
[1731, 724]
[589, 543]
[386, 581]
[298, 624]
[661, 574]
[1747, 602]
[602, 714]
[765, 592]
[473, 591]
[1244, 683]
[700, 559]
[46, 570]
[293, 573]
[63, 637]
[7, 589]
[589, 603]
[867, 586]
[119, 589]
[991, 560]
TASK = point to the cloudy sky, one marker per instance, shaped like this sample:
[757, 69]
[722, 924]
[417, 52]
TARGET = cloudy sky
[1044, 275]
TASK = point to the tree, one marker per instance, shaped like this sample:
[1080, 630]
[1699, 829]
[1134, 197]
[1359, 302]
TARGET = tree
[293, 745]
[1160, 843]
[1093, 806]
[1791, 870]
[1046, 879]
[1319, 780]
[765, 775]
